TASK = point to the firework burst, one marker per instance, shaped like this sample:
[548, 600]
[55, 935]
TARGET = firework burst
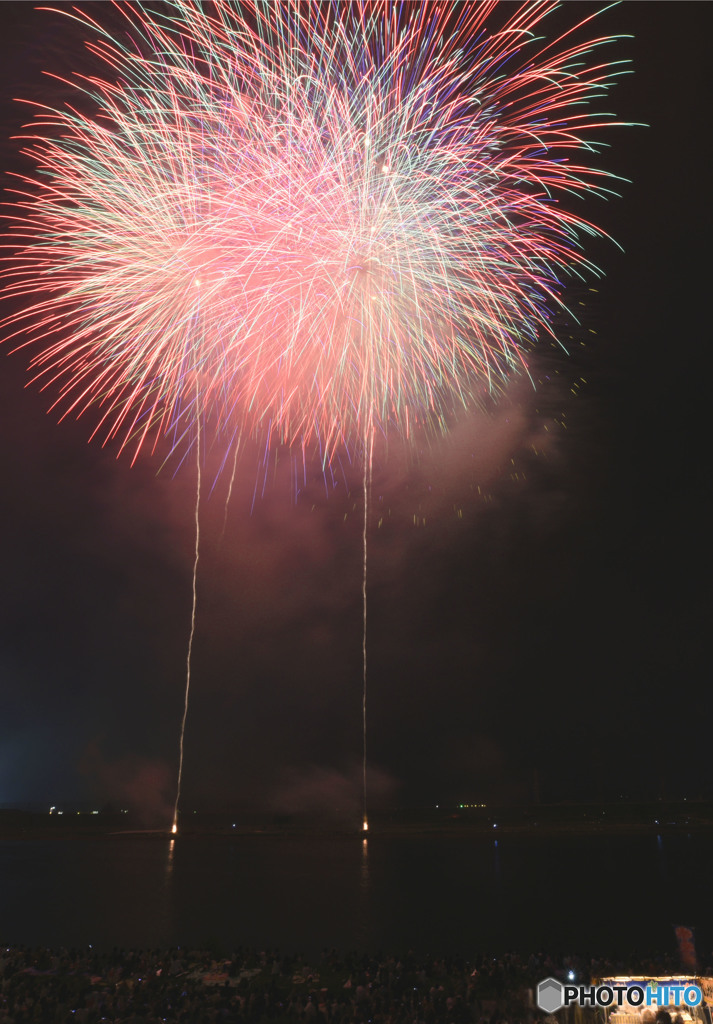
[305, 222]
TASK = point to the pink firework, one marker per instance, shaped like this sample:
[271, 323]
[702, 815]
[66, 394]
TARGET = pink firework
[310, 223]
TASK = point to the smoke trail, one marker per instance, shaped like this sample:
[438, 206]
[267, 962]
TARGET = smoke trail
[174, 826]
[368, 459]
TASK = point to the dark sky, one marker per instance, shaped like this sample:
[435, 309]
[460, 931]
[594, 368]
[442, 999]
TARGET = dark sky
[546, 630]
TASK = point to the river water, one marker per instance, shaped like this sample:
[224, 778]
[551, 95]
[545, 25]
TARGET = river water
[436, 893]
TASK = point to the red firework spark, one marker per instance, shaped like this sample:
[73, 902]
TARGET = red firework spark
[304, 222]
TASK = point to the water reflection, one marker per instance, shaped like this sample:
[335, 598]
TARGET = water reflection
[496, 864]
[167, 892]
[169, 862]
[365, 882]
[300, 894]
[364, 909]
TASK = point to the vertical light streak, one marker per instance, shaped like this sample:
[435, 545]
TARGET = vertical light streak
[368, 462]
[174, 826]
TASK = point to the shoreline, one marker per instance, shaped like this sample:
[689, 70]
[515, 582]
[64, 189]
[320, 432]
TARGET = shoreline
[544, 820]
[376, 834]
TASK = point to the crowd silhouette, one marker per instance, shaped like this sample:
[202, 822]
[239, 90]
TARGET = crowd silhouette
[182, 986]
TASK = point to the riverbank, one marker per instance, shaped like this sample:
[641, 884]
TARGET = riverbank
[658, 818]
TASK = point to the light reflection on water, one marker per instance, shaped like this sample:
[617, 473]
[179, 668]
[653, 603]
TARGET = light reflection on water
[496, 863]
[169, 862]
[450, 894]
[364, 916]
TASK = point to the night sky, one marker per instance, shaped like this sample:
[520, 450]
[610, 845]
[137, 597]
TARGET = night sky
[544, 632]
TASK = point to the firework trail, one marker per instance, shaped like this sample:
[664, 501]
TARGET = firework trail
[313, 224]
[366, 480]
[192, 633]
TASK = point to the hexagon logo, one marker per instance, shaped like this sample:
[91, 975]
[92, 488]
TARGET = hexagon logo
[549, 995]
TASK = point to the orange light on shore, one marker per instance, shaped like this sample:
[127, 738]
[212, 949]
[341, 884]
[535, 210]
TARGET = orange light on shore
[174, 828]
[365, 826]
